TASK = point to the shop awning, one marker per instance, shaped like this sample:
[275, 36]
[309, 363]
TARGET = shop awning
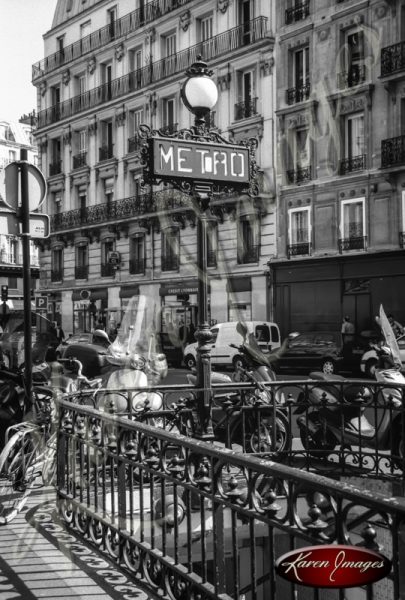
[96, 294]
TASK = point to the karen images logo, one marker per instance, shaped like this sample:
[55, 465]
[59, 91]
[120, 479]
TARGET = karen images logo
[333, 566]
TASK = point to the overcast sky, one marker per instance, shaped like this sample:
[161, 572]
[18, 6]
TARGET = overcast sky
[23, 22]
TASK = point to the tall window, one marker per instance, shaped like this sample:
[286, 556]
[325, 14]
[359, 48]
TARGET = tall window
[135, 120]
[111, 20]
[13, 247]
[135, 59]
[246, 106]
[212, 245]
[245, 16]
[137, 254]
[299, 231]
[109, 190]
[354, 135]
[80, 84]
[205, 28]
[169, 114]
[169, 44]
[106, 147]
[57, 264]
[107, 246]
[300, 76]
[82, 261]
[300, 171]
[55, 166]
[352, 219]
[170, 250]
[248, 240]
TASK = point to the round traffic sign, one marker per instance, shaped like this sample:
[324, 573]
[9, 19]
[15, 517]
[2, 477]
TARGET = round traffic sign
[36, 186]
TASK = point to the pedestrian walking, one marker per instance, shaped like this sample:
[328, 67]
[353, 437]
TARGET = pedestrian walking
[348, 331]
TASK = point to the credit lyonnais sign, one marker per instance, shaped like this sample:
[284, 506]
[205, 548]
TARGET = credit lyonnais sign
[199, 161]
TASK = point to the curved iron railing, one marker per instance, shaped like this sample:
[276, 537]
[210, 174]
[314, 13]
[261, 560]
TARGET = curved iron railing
[218, 45]
[193, 518]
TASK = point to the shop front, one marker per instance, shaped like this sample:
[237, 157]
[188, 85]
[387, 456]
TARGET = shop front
[89, 309]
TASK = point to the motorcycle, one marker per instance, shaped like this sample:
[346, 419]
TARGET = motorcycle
[330, 421]
[257, 419]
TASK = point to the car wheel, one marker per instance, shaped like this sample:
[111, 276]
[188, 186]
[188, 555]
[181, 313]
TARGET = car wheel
[190, 362]
[370, 367]
[238, 363]
[328, 366]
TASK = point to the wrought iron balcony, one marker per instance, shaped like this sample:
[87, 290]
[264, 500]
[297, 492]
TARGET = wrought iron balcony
[134, 206]
[169, 129]
[299, 12]
[250, 255]
[55, 168]
[137, 266]
[170, 263]
[301, 249]
[212, 258]
[393, 59]
[107, 270]
[352, 243]
[57, 275]
[402, 239]
[355, 75]
[246, 109]
[300, 175]
[99, 38]
[80, 160]
[105, 152]
[219, 45]
[298, 94]
[355, 163]
[134, 144]
[393, 152]
[82, 272]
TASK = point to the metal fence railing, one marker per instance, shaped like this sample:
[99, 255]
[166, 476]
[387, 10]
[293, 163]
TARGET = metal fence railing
[196, 519]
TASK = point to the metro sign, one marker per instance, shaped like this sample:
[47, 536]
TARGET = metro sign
[199, 161]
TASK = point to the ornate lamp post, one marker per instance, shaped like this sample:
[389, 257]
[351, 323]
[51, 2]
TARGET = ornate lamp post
[199, 161]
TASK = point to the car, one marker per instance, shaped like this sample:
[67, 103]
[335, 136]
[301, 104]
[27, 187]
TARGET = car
[90, 349]
[369, 360]
[76, 338]
[319, 351]
[223, 334]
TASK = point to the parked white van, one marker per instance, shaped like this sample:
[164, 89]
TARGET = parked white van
[267, 336]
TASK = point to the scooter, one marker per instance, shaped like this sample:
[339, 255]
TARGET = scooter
[330, 421]
[257, 419]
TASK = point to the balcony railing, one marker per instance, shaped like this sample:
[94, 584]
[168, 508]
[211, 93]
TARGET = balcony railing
[82, 272]
[133, 206]
[355, 75]
[134, 144]
[352, 243]
[212, 258]
[170, 263]
[79, 160]
[107, 270]
[57, 275]
[301, 249]
[300, 175]
[392, 59]
[299, 12]
[109, 33]
[137, 266]
[246, 109]
[216, 46]
[298, 94]
[55, 168]
[105, 153]
[355, 163]
[393, 152]
[250, 255]
[402, 239]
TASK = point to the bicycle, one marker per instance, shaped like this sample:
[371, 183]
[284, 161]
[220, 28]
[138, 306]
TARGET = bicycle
[30, 448]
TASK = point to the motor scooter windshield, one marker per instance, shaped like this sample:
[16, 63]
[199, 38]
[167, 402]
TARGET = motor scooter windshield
[137, 331]
[390, 338]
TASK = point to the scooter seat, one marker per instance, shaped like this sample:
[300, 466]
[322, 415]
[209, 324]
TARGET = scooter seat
[319, 376]
[360, 425]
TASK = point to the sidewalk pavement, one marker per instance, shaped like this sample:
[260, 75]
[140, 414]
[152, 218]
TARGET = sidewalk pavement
[40, 558]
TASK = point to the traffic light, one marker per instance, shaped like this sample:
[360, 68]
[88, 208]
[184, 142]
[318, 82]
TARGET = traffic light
[4, 293]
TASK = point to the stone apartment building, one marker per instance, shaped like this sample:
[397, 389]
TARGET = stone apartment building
[13, 138]
[108, 67]
[341, 162]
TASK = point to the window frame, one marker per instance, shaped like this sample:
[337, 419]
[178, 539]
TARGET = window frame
[348, 119]
[348, 202]
[296, 211]
[174, 248]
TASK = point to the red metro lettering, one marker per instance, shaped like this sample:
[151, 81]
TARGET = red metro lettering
[334, 566]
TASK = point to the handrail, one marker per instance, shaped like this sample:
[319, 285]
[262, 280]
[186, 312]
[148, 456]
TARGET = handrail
[166, 67]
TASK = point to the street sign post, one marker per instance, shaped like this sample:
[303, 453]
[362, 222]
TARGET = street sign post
[41, 303]
[39, 224]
